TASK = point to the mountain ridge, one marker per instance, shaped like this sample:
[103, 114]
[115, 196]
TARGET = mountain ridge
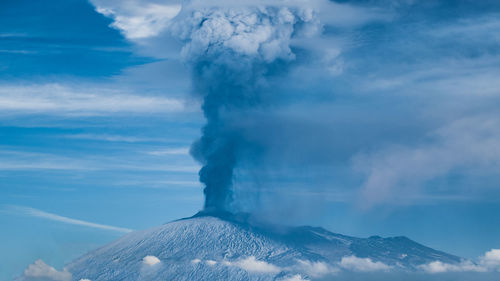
[207, 246]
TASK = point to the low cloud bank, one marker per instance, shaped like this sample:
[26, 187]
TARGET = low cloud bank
[489, 262]
[354, 267]
[349, 268]
[354, 263]
[314, 269]
[440, 267]
[251, 264]
[491, 259]
[302, 269]
[40, 271]
[410, 276]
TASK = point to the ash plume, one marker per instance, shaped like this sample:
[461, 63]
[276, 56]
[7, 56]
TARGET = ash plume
[233, 52]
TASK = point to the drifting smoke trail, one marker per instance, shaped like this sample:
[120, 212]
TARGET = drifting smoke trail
[233, 52]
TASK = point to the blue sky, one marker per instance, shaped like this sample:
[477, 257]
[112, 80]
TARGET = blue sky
[387, 124]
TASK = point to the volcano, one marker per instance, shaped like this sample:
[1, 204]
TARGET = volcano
[232, 247]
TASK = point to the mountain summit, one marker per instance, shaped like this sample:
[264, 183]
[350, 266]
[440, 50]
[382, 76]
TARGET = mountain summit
[223, 246]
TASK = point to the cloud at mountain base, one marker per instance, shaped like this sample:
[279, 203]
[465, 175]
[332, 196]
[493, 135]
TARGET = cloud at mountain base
[40, 271]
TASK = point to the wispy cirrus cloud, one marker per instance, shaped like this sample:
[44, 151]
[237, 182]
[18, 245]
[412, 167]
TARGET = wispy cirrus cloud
[112, 138]
[22, 160]
[58, 99]
[170, 151]
[32, 212]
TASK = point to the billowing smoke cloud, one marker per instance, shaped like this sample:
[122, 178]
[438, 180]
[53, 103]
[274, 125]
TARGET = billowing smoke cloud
[234, 51]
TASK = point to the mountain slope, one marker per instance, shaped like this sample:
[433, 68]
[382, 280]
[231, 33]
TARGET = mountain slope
[227, 248]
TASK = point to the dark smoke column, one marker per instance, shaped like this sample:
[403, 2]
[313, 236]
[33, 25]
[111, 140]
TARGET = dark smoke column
[232, 52]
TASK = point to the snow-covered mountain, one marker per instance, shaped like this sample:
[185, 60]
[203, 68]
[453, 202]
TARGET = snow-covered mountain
[227, 247]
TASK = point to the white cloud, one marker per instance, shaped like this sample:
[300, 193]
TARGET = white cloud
[440, 267]
[138, 19]
[210, 262]
[346, 15]
[399, 172]
[251, 264]
[296, 277]
[454, 91]
[111, 138]
[166, 168]
[50, 216]
[314, 269]
[40, 271]
[354, 263]
[159, 184]
[17, 51]
[171, 151]
[56, 99]
[18, 160]
[85, 280]
[444, 77]
[471, 30]
[150, 260]
[490, 261]
[196, 261]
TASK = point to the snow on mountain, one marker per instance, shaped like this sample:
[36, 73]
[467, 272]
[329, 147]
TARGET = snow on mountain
[227, 247]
